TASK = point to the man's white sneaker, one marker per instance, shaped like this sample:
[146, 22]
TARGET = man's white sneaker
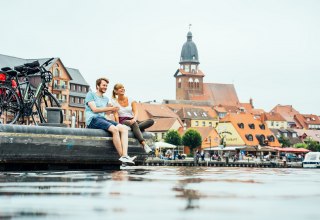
[126, 159]
[147, 149]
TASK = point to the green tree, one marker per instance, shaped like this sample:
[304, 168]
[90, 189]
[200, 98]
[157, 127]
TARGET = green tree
[312, 145]
[301, 145]
[284, 141]
[173, 137]
[192, 139]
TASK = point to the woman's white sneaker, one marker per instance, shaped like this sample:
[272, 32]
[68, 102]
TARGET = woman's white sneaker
[126, 159]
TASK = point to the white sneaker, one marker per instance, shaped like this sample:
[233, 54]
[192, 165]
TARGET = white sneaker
[132, 158]
[147, 149]
[126, 159]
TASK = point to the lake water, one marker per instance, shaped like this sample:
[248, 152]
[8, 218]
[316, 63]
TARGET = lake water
[162, 193]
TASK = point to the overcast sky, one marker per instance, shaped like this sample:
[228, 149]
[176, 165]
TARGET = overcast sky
[270, 50]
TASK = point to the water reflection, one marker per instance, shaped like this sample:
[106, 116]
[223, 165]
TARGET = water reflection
[161, 192]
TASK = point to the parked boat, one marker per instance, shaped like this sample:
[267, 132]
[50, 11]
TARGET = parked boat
[311, 160]
[42, 147]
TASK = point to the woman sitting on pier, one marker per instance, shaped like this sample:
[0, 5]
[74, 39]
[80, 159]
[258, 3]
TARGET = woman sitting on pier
[128, 115]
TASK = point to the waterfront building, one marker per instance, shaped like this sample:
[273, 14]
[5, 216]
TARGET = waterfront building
[195, 116]
[289, 133]
[68, 86]
[287, 112]
[306, 135]
[307, 121]
[274, 120]
[164, 119]
[243, 129]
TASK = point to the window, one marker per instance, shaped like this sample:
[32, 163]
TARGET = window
[285, 134]
[190, 83]
[79, 88]
[189, 113]
[241, 125]
[187, 68]
[71, 99]
[294, 135]
[179, 83]
[56, 72]
[271, 138]
[197, 123]
[80, 116]
[73, 87]
[251, 126]
[249, 137]
[204, 114]
[196, 82]
[262, 127]
[210, 123]
[203, 123]
[195, 114]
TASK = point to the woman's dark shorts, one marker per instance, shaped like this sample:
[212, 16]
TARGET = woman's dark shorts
[101, 123]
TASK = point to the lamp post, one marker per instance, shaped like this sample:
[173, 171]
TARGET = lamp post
[210, 147]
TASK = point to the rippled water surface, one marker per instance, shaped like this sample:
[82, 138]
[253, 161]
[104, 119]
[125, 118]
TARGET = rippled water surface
[162, 193]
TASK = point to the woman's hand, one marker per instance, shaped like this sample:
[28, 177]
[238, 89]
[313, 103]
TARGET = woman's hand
[115, 109]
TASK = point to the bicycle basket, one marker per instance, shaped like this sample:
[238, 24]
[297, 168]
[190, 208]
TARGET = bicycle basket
[47, 76]
[34, 80]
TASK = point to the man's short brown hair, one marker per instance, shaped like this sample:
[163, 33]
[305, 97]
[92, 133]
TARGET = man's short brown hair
[98, 81]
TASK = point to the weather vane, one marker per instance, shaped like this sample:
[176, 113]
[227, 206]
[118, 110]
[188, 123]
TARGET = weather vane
[190, 26]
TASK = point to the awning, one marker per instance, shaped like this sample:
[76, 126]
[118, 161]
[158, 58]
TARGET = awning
[260, 149]
[234, 148]
[292, 150]
[164, 145]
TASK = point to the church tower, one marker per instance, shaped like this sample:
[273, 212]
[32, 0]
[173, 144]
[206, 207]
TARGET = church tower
[189, 79]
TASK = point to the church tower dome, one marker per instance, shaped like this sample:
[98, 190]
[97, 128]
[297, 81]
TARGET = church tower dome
[189, 79]
[189, 52]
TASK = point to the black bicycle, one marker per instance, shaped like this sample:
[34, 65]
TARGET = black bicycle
[22, 103]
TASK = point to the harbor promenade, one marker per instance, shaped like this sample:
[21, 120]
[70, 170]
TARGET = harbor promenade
[155, 161]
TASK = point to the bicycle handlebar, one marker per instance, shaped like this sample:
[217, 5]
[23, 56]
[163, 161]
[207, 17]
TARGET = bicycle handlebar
[47, 62]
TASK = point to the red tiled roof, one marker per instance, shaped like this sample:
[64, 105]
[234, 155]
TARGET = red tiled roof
[286, 111]
[314, 134]
[184, 107]
[256, 112]
[147, 111]
[163, 124]
[304, 120]
[219, 94]
[246, 106]
[272, 116]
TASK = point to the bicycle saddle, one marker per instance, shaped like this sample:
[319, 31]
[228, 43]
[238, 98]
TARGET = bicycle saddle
[19, 68]
[32, 64]
[6, 69]
[11, 72]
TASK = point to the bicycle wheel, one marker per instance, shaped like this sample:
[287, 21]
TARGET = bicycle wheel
[9, 105]
[46, 100]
